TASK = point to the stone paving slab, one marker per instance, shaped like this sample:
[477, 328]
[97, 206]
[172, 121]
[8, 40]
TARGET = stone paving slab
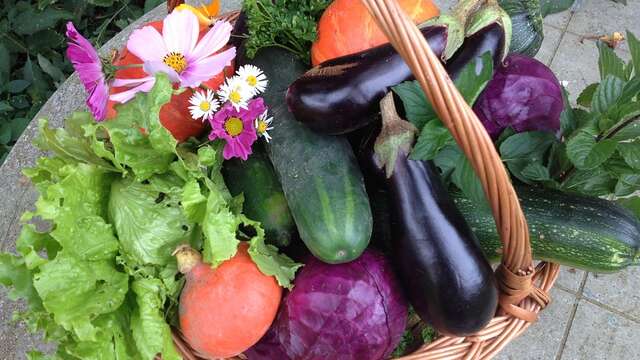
[543, 340]
[597, 334]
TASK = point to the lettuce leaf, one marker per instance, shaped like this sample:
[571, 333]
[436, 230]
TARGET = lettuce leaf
[150, 331]
[77, 291]
[149, 223]
[119, 197]
[138, 139]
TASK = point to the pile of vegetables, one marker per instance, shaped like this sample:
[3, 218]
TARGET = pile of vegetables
[150, 229]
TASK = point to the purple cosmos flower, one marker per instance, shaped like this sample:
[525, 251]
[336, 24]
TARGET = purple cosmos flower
[178, 53]
[236, 127]
[87, 63]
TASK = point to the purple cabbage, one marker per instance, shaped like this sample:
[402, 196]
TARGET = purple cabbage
[349, 311]
[524, 94]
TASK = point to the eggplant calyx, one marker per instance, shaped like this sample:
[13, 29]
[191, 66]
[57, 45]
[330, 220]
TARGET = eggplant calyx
[455, 22]
[396, 137]
[491, 13]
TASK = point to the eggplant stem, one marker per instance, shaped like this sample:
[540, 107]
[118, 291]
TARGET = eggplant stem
[397, 135]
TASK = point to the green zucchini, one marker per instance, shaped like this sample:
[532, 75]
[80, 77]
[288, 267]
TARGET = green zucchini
[577, 231]
[319, 174]
[263, 197]
[526, 26]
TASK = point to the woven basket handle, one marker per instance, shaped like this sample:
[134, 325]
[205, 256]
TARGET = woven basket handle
[515, 274]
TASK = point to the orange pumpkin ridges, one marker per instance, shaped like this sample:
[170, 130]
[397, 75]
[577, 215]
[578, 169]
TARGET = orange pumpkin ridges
[225, 311]
[346, 27]
[175, 115]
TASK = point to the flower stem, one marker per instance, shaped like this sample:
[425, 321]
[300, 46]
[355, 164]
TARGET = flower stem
[128, 66]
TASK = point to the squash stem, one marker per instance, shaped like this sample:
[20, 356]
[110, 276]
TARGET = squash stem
[187, 258]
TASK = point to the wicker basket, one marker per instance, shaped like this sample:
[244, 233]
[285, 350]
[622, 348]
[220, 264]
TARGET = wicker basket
[523, 288]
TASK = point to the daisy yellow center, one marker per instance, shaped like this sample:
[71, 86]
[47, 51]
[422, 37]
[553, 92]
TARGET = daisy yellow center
[233, 126]
[262, 127]
[176, 61]
[205, 106]
[252, 80]
[235, 96]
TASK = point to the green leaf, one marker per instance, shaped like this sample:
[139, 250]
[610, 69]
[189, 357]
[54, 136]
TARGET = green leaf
[630, 91]
[139, 140]
[14, 273]
[609, 63]
[5, 107]
[67, 146]
[627, 184]
[46, 65]
[219, 227]
[465, 178]
[194, 203]
[103, 3]
[433, 138]
[585, 153]
[148, 222]
[447, 160]
[5, 133]
[17, 127]
[77, 205]
[32, 21]
[5, 64]
[607, 94]
[151, 332]
[633, 204]
[536, 172]
[90, 289]
[417, 108]
[586, 97]
[594, 182]
[629, 132]
[527, 145]
[554, 6]
[267, 258]
[17, 86]
[634, 49]
[630, 151]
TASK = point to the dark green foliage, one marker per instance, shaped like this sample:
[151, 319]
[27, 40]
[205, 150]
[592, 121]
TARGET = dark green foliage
[289, 24]
[32, 51]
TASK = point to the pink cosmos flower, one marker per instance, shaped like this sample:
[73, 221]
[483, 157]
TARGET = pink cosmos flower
[178, 53]
[236, 127]
[87, 63]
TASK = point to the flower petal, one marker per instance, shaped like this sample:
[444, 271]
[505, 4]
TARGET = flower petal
[207, 68]
[152, 67]
[131, 82]
[81, 42]
[97, 101]
[217, 37]
[147, 44]
[123, 97]
[180, 31]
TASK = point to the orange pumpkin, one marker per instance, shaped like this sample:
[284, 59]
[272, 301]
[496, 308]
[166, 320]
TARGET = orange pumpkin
[346, 27]
[175, 115]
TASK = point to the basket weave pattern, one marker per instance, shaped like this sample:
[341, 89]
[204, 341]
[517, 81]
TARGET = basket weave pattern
[523, 288]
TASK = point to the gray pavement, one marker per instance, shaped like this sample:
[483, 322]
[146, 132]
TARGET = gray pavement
[591, 317]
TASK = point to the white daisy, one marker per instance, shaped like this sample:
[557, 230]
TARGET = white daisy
[263, 125]
[254, 78]
[236, 92]
[203, 105]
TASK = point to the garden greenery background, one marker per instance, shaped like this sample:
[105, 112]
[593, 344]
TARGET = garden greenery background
[32, 51]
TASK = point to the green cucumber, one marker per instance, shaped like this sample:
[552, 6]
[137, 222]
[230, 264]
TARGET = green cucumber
[319, 174]
[263, 197]
[577, 231]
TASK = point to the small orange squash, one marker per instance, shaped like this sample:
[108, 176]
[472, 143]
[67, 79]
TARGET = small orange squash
[346, 27]
[175, 115]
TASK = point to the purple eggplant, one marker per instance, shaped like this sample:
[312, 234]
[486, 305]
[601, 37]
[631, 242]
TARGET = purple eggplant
[446, 277]
[342, 95]
[490, 39]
